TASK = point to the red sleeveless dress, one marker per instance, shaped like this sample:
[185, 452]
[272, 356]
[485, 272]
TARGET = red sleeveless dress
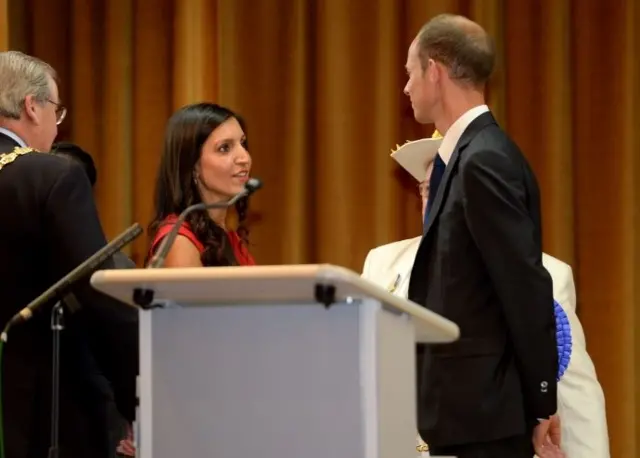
[240, 250]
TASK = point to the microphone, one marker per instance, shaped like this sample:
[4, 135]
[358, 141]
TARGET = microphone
[252, 185]
[59, 289]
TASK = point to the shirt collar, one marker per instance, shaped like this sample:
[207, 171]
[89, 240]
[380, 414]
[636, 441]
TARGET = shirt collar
[456, 130]
[13, 136]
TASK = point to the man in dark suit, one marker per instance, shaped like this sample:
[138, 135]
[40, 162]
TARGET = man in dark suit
[49, 226]
[118, 427]
[480, 264]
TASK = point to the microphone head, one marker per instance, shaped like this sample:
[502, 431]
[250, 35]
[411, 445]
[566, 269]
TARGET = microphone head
[252, 185]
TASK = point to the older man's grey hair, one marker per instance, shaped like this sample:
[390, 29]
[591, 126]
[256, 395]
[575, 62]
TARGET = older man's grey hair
[461, 45]
[22, 75]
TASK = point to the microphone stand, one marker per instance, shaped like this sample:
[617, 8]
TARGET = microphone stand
[57, 325]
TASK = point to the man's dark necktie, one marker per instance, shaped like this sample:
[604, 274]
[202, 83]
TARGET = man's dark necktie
[434, 181]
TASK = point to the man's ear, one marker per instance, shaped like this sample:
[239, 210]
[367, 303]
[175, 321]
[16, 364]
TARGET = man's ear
[31, 109]
[437, 71]
[432, 69]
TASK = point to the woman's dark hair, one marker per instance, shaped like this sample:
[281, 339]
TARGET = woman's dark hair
[75, 152]
[186, 132]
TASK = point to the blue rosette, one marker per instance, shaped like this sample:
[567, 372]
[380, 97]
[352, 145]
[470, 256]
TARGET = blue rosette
[563, 338]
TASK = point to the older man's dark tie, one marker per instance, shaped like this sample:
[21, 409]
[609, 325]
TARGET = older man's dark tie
[434, 182]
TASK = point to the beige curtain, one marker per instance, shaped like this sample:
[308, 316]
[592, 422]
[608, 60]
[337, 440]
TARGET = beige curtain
[320, 84]
[4, 27]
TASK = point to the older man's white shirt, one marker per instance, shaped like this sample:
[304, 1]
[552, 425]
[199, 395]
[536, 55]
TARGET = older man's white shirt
[581, 403]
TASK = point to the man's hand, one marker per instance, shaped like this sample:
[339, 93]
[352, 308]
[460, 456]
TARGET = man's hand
[126, 446]
[547, 437]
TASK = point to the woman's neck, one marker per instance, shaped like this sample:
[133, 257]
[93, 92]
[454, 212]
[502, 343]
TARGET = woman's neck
[219, 216]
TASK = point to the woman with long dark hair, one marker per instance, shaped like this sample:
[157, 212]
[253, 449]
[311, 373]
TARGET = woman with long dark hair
[205, 159]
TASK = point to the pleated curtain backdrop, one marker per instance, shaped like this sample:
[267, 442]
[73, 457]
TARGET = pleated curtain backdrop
[320, 85]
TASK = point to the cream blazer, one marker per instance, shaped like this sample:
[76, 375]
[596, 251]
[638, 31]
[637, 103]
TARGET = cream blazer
[581, 404]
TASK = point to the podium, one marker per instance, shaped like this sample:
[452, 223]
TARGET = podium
[301, 361]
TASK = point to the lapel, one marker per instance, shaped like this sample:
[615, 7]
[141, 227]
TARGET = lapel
[7, 144]
[469, 133]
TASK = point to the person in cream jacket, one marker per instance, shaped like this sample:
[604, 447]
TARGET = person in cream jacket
[581, 405]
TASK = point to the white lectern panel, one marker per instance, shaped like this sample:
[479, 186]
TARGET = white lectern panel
[279, 381]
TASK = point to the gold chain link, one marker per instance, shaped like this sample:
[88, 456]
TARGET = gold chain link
[8, 158]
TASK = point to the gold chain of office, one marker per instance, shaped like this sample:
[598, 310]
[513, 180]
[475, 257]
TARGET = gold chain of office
[8, 158]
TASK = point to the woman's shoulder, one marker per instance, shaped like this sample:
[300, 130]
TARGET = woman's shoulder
[185, 230]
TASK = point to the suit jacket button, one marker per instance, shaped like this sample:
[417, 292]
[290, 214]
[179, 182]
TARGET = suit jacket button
[543, 387]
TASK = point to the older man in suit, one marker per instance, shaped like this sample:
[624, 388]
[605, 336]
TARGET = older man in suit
[49, 226]
[581, 404]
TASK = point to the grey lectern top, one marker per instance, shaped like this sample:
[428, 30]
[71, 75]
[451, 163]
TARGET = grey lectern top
[291, 361]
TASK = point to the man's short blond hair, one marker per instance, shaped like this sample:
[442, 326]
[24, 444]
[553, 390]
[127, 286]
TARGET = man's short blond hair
[20, 76]
[459, 44]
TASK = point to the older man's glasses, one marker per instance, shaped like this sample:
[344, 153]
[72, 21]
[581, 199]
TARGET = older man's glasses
[61, 111]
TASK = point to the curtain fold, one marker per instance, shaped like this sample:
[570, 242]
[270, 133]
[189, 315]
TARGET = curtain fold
[195, 52]
[153, 102]
[606, 182]
[4, 25]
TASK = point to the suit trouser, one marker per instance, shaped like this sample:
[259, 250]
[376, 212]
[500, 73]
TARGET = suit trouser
[512, 447]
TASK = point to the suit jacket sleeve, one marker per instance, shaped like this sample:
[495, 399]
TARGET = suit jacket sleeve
[503, 230]
[366, 269]
[565, 289]
[566, 296]
[75, 234]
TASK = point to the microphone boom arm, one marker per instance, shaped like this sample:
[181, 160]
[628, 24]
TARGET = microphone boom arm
[60, 288]
[143, 297]
[163, 250]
